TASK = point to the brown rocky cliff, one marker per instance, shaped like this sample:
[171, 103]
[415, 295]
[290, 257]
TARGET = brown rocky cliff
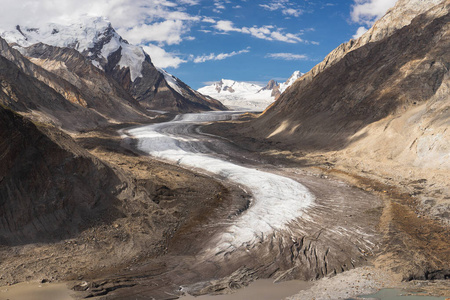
[396, 18]
[28, 95]
[101, 92]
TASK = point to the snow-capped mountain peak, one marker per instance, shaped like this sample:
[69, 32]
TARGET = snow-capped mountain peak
[94, 37]
[247, 95]
[231, 86]
[283, 86]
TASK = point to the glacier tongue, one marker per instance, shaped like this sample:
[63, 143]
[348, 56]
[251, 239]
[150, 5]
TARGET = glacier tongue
[277, 200]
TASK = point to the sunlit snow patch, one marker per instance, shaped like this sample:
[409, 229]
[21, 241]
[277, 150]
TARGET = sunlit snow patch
[171, 80]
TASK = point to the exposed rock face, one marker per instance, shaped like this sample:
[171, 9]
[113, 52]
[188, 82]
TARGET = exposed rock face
[33, 91]
[280, 88]
[270, 85]
[99, 92]
[157, 89]
[48, 190]
[399, 16]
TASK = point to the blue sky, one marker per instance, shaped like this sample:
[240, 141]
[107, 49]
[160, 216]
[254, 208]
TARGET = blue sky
[201, 41]
[260, 40]
[314, 30]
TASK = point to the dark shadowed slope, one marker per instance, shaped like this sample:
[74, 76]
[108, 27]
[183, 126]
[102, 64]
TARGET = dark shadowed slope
[49, 188]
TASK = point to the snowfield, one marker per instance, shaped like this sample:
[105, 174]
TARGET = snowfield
[276, 200]
[239, 95]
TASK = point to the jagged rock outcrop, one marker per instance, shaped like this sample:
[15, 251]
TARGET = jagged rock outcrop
[270, 85]
[41, 95]
[49, 187]
[280, 88]
[99, 91]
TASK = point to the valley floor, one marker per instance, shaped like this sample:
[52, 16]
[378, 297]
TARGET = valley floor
[154, 249]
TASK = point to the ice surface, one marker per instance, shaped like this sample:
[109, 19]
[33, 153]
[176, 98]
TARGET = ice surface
[276, 200]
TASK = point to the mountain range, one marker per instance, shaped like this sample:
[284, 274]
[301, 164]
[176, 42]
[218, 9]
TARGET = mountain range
[92, 67]
[245, 95]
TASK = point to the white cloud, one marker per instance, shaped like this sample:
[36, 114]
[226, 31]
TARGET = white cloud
[169, 32]
[218, 6]
[266, 32]
[190, 2]
[361, 30]
[220, 56]
[284, 6]
[287, 56]
[226, 26]
[208, 20]
[163, 59]
[135, 20]
[292, 12]
[368, 11]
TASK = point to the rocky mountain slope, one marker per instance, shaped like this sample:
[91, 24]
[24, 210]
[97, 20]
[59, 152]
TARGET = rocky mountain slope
[382, 105]
[42, 95]
[376, 116]
[244, 95]
[49, 189]
[127, 64]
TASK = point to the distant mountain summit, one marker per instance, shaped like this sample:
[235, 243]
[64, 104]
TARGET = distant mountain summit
[129, 65]
[239, 95]
[245, 95]
[280, 88]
